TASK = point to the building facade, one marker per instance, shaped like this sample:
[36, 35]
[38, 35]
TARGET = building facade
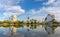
[13, 18]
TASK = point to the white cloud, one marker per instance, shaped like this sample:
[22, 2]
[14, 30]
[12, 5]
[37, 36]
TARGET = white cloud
[54, 3]
[10, 2]
[53, 9]
[11, 7]
[39, 18]
[50, 2]
[32, 11]
[13, 10]
[7, 3]
[37, 14]
[57, 3]
[42, 13]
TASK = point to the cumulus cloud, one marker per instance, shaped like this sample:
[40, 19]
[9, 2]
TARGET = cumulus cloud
[7, 3]
[11, 7]
[54, 8]
[13, 10]
[54, 3]
[32, 11]
[39, 18]
[10, 2]
[36, 11]
[37, 14]
[50, 2]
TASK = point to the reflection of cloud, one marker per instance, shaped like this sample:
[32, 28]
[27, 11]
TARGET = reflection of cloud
[13, 10]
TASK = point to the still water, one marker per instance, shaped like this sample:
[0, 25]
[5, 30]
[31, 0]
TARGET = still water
[24, 32]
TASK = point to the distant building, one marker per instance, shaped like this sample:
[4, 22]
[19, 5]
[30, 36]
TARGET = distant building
[50, 23]
[13, 18]
[49, 17]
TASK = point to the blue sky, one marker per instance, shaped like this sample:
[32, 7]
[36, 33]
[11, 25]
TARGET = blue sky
[36, 9]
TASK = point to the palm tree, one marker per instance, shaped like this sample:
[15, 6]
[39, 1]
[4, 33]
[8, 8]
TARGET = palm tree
[28, 20]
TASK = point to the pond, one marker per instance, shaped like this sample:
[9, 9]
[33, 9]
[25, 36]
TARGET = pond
[25, 31]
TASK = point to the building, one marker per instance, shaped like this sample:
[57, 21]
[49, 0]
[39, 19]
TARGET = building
[49, 17]
[13, 18]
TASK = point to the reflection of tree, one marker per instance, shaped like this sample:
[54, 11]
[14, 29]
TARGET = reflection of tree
[50, 29]
[1, 22]
[32, 23]
[33, 26]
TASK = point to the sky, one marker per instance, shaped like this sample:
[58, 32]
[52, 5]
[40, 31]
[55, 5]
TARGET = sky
[36, 9]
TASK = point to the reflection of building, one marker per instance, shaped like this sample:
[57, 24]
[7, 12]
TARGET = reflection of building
[13, 17]
[10, 32]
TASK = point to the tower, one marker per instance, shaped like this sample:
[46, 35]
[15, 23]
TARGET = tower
[13, 18]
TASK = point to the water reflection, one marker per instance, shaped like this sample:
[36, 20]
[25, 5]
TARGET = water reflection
[48, 29]
[29, 31]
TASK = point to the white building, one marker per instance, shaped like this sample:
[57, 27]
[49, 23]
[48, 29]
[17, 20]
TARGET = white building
[13, 18]
[49, 17]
